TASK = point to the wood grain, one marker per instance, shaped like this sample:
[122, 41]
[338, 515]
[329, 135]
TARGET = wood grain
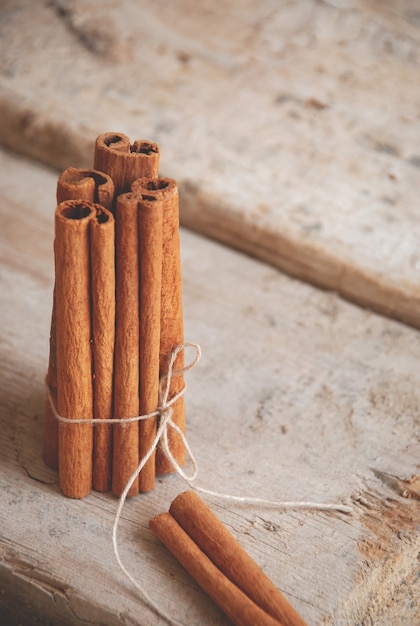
[292, 128]
[298, 395]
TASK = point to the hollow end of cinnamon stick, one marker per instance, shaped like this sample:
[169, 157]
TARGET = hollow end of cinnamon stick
[85, 184]
[113, 141]
[73, 184]
[143, 146]
[103, 217]
[74, 210]
[159, 187]
[125, 162]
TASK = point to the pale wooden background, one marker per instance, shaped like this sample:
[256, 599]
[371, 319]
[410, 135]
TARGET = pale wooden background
[293, 130]
[292, 127]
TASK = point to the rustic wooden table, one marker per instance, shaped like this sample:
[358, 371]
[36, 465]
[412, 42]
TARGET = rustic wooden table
[295, 125]
[299, 395]
[293, 130]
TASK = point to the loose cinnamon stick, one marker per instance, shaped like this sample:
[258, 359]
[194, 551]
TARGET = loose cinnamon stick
[126, 362]
[171, 317]
[73, 347]
[102, 254]
[90, 185]
[213, 538]
[125, 162]
[150, 241]
[72, 184]
[241, 610]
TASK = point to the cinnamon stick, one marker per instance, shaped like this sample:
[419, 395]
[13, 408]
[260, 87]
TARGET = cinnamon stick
[150, 242]
[240, 609]
[72, 184]
[102, 254]
[171, 317]
[125, 162]
[73, 347]
[126, 362]
[213, 538]
[82, 184]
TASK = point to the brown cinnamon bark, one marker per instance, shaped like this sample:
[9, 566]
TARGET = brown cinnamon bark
[90, 185]
[102, 255]
[73, 345]
[125, 162]
[213, 538]
[126, 362]
[150, 242]
[240, 609]
[171, 317]
[72, 184]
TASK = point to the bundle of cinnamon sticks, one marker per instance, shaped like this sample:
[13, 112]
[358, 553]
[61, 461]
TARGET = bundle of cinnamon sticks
[116, 317]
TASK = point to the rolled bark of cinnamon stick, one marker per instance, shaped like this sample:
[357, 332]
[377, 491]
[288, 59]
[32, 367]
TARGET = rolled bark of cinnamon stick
[102, 262]
[126, 361]
[73, 345]
[73, 184]
[171, 316]
[240, 609]
[150, 242]
[125, 162]
[89, 185]
[213, 538]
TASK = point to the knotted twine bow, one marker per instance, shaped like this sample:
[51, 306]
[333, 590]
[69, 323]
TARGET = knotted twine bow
[165, 412]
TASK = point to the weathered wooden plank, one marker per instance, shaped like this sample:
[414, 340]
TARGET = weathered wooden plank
[293, 128]
[299, 395]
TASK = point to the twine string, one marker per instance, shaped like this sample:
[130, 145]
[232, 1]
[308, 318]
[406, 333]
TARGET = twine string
[165, 413]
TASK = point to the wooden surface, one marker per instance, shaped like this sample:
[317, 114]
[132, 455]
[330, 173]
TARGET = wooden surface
[293, 128]
[299, 395]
